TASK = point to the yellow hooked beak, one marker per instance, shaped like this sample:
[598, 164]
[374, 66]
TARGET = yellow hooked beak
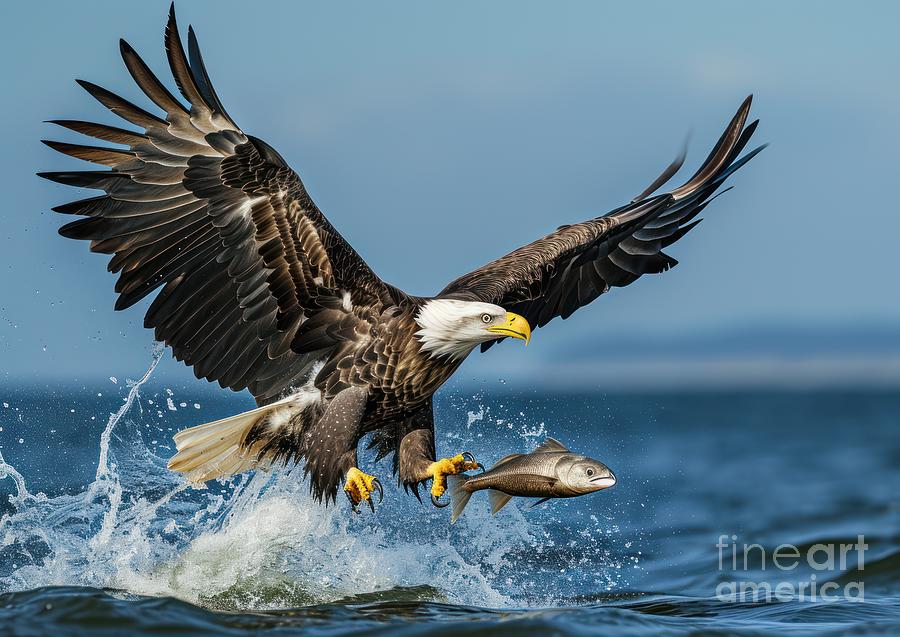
[513, 325]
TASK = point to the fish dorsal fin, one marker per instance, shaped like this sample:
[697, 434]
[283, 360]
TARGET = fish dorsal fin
[498, 500]
[506, 459]
[551, 445]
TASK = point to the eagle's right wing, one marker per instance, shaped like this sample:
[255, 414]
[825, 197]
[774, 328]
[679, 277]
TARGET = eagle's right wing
[256, 283]
[564, 271]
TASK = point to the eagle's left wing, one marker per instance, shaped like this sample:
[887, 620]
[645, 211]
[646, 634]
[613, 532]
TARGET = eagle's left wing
[566, 270]
[258, 289]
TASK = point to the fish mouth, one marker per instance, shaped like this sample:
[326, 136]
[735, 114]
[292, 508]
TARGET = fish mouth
[603, 482]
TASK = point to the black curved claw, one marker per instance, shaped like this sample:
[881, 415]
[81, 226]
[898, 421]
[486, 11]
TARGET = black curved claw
[468, 457]
[376, 483]
[438, 503]
[353, 506]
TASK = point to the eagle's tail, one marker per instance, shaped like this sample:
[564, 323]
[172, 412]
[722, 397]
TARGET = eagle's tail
[217, 449]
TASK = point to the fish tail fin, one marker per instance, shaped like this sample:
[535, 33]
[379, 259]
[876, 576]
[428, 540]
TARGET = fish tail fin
[216, 449]
[498, 500]
[459, 496]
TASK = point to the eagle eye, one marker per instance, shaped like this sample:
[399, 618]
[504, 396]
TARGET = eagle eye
[486, 318]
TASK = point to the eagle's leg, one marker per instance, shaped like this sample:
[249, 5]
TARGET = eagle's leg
[330, 450]
[417, 462]
[440, 469]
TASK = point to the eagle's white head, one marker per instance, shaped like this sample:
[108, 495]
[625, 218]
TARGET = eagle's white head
[454, 328]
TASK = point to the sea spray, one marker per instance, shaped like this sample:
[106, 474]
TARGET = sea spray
[259, 541]
[106, 482]
[8, 471]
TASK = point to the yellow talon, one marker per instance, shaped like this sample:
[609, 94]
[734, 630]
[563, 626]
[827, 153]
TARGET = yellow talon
[444, 467]
[360, 486]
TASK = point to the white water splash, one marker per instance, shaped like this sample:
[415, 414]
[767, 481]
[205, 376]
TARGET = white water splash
[260, 541]
[8, 471]
[106, 481]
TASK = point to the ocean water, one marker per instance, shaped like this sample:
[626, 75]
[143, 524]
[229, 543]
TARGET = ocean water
[97, 538]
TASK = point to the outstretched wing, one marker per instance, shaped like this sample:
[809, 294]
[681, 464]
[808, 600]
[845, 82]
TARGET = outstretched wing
[571, 267]
[256, 283]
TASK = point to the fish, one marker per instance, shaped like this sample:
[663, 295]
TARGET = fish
[550, 471]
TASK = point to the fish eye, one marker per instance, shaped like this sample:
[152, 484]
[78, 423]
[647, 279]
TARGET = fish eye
[590, 472]
[486, 318]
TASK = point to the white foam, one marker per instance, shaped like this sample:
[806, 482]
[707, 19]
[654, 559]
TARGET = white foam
[260, 541]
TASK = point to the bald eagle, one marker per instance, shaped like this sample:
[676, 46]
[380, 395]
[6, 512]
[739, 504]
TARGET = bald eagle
[259, 291]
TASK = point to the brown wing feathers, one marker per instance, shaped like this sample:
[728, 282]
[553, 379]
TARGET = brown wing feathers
[571, 267]
[216, 219]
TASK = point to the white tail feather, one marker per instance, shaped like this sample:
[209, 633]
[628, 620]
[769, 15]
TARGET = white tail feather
[216, 449]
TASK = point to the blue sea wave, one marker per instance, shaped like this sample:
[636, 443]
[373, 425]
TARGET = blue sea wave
[96, 535]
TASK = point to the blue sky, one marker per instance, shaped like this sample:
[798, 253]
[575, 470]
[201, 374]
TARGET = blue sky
[438, 137]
